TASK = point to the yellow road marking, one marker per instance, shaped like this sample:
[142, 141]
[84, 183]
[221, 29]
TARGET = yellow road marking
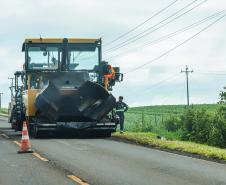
[5, 136]
[17, 143]
[34, 154]
[76, 179]
[40, 157]
[72, 177]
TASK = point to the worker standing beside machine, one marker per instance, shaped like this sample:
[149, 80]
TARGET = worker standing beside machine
[121, 107]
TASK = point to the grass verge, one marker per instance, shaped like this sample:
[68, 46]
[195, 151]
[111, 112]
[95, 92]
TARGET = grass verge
[4, 112]
[3, 115]
[183, 147]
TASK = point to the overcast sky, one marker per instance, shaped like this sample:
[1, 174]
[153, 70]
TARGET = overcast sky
[159, 82]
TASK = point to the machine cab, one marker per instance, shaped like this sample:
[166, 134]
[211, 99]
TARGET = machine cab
[69, 55]
[61, 54]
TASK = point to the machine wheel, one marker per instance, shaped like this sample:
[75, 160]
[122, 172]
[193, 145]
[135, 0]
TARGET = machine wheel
[107, 134]
[19, 126]
[34, 131]
[104, 134]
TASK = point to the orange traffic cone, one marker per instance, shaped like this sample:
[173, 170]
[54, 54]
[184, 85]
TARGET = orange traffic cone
[25, 141]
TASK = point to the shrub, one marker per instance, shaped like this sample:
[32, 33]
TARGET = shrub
[217, 135]
[196, 125]
[201, 127]
[172, 124]
[186, 124]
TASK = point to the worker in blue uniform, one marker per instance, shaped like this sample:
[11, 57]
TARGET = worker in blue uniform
[121, 107]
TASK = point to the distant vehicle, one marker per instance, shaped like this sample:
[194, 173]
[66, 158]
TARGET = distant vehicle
[64, 84]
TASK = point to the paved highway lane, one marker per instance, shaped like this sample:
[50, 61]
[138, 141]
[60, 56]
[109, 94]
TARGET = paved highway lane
[108, 162]
[25, 169]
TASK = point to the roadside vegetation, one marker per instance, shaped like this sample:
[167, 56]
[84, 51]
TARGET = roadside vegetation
[149, 139]
[3, 112]
[198, 129]
[163, 120]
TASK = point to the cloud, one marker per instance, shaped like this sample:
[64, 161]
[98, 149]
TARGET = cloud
[109, 19]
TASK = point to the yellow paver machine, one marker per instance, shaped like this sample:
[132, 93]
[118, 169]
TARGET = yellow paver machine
[64, 84]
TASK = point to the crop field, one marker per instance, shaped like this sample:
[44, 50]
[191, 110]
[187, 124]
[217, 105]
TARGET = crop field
[172, 109]
[3, 111]
[152, 118]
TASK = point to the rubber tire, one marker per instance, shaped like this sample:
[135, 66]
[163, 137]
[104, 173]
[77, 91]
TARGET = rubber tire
[107, 134]
[35, 132]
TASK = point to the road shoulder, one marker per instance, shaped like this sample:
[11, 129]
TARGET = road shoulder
[178, 147]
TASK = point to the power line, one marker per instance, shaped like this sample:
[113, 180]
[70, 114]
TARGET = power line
[165, 37]
[147, 32]
[177, 46]
[158, 85]
[210, 73]
[170, 78]
[217, 71]
[141, 24]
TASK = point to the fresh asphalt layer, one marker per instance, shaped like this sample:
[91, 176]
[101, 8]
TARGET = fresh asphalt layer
[109, 162]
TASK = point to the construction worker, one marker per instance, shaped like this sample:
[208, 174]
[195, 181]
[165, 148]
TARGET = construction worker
[109, 77]
[121, 107]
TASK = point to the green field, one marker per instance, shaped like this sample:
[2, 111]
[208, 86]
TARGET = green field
[144, 124]
[3, 111]
[152, 118]
[172, 109]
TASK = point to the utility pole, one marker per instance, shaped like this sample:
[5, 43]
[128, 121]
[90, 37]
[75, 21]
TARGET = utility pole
[11, 87]
[186, 71]
[1, 100]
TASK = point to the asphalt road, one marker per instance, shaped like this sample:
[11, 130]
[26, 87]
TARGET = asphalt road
[108, 162]
[26, 169]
